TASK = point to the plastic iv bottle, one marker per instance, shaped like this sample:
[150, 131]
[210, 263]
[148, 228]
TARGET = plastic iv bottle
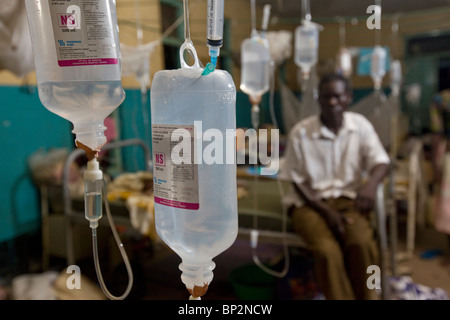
[77, 59]
[306, 46]
[344, 62]
[378, 65]
[255, 69]
[396, 76]
[195, 199]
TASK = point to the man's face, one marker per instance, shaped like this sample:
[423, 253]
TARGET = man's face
[334, 100]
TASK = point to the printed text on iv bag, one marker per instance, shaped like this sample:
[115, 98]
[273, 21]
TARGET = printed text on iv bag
[222, 150]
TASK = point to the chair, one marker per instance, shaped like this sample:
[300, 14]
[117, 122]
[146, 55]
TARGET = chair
[411, 187]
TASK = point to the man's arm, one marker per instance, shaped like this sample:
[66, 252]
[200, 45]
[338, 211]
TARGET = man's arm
[365, 199]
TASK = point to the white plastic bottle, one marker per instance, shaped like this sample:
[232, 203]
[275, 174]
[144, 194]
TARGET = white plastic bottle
[378, 65]
[306, 46]
[195, 202]
[77, 59]
[395, 76]
[255, 66]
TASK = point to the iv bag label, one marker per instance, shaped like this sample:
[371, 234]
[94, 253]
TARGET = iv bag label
[83, 31]
[175, 174]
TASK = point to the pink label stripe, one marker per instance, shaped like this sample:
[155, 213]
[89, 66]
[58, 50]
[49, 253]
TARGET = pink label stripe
[86, 62]
[177, 204]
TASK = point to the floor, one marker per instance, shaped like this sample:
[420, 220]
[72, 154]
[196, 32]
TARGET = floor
[160, 276]
[425, 268]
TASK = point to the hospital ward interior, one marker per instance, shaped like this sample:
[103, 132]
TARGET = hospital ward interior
[144, 146]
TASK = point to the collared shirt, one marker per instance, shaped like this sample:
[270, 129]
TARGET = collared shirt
[333, 164]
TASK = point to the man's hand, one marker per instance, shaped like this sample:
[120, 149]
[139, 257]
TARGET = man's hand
[336, 221]
[365, 200]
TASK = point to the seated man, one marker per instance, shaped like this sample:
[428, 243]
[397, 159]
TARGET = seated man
[335, 160]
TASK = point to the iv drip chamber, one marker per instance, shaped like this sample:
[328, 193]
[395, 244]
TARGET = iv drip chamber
[255, 67]
[306, 46]
[78, 63]
[194, 168]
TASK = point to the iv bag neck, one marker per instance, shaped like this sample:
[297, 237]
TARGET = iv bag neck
[312, 25]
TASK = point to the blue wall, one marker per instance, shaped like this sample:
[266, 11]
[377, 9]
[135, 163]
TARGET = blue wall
[25, 126]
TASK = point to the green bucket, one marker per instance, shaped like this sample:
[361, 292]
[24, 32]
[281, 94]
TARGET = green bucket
[251, 283]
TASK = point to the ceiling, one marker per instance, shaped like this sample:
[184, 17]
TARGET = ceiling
[328, 9]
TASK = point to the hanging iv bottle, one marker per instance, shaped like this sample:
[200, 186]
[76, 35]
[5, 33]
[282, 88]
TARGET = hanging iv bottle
[77, 59]
[344, 62]
[378, 65]
[255, 66]
[395, 76]
[306, 46]
[193, 130]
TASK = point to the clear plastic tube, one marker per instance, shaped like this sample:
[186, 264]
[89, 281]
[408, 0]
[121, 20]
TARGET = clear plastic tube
[255, 116]
[254, 234]
[265, 20]
[122, 252]
[215, 9]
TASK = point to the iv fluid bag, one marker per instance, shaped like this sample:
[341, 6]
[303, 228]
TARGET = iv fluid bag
[378, 65]
[396, 75]
[193, 143]
[306, 46]
[255, 66]
[77, 58]
[344, 62]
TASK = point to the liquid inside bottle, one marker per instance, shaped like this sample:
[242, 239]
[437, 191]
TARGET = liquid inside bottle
[306, 46]
[81, 101]
[93, 206]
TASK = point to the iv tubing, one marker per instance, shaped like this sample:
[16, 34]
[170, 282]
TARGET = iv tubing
[272, 94]
[254, 33]
[121, 249]
[306, 10]
[254, 233]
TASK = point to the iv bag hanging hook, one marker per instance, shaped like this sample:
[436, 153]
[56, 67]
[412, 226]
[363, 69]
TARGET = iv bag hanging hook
[187, 44]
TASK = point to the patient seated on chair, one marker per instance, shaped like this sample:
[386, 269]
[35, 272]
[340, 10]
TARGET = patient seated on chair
[336, 160]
